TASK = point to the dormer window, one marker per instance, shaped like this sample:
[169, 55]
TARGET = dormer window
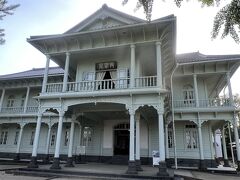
[10, 101]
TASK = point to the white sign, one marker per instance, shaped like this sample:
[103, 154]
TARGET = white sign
[156, 158]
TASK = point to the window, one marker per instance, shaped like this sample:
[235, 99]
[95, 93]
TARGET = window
[10, 101]
[66, 139]
[88, 76]
[16, 138]
[53, 139]
[3, 138]
[123, 75]
[191, 137]
[32, 138]
[188, 94]
[170, 138]
[23, 100]
[87, 135]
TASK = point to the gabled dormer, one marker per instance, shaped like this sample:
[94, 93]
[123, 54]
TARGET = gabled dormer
[104, 18]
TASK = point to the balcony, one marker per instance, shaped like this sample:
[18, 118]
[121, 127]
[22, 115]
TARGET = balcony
[103, 85]
[206, 103]
[19, 110]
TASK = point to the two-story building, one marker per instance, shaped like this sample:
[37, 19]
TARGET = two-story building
[123, 94]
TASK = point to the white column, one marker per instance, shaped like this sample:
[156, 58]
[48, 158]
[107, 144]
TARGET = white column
[229, 88]
[159, 64]
[45, 77]
[161, 136]
[225, 156]
[59, 134]
[2, 98]
[235, 127]
[20, 138]
[132, 138]
[196, 89]
[37, 134]
[48, 138]
[26, 99]
[70, 148]
[132, 70]
[215, 143]
[65, 78]
[138, 136]
[200, 139]
[166, 141]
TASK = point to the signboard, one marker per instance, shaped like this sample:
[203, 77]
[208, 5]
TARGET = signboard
[81, 150]
[156, 158]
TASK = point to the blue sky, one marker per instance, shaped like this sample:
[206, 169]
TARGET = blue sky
[194, 25]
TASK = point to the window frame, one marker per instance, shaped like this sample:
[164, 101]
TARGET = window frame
[193, 137]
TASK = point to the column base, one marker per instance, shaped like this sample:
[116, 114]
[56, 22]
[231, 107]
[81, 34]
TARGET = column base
[132, 167]
[56, 164]
[17, 157]
[80, 159]
[202, 165]
[162, 169]
[69, 162]
[238, 166]
[33, 162]
[168, 163]
[138, 165]
[46, 159]
[226, 163]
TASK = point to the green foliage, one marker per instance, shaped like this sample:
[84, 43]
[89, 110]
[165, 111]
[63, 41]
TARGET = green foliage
[228, 17]
[5, 10]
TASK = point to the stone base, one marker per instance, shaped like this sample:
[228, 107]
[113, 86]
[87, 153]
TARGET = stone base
[33, 163]
[202, 165]
[238, 166]
[162, 169]
[69, 162]
[226, 163]
[80, 159]
[131, 167]
[138, 165]
[46, 159]
[168, 163]
[56, 164]
[17, 157]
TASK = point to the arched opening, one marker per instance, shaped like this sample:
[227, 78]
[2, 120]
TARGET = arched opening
[121, 139]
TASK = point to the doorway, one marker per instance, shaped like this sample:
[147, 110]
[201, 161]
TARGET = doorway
[121, 139]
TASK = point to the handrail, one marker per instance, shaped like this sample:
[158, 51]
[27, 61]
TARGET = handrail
[14, 110]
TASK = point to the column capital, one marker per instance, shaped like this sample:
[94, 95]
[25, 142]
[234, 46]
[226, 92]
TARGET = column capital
[132, 45]
[158, 43]
[48, 56]
[68, 53]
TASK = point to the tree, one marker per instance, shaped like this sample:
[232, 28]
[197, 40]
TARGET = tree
[5, 10]
[228, 17]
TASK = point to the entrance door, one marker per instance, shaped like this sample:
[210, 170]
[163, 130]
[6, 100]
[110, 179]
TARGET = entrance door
[121, 142]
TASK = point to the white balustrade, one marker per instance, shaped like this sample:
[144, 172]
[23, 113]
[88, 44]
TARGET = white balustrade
[146, 81]
[19, 110]
[190, 103]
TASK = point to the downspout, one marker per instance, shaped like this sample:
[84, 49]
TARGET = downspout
[174, 133]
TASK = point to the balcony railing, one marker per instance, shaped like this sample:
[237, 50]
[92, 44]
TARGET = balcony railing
[211, 103]
[98, 85]
[18, 110]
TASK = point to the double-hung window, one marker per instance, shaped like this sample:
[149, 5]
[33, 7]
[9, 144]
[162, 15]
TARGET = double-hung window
[188, 95]
[191, 137]
[3, 137]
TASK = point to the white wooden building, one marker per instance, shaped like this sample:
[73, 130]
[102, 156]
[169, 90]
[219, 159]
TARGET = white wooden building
[121, 92]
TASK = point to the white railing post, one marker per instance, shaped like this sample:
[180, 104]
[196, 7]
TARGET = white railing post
[65, 78]
[2, 98]
[132, 73]
[26, 100]
[45, 77]
[159, 64]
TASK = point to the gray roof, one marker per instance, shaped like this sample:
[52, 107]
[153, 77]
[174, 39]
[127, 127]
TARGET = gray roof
[198, 57]
[33, 73]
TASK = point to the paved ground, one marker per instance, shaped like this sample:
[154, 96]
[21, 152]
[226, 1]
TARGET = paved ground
[148, 170]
